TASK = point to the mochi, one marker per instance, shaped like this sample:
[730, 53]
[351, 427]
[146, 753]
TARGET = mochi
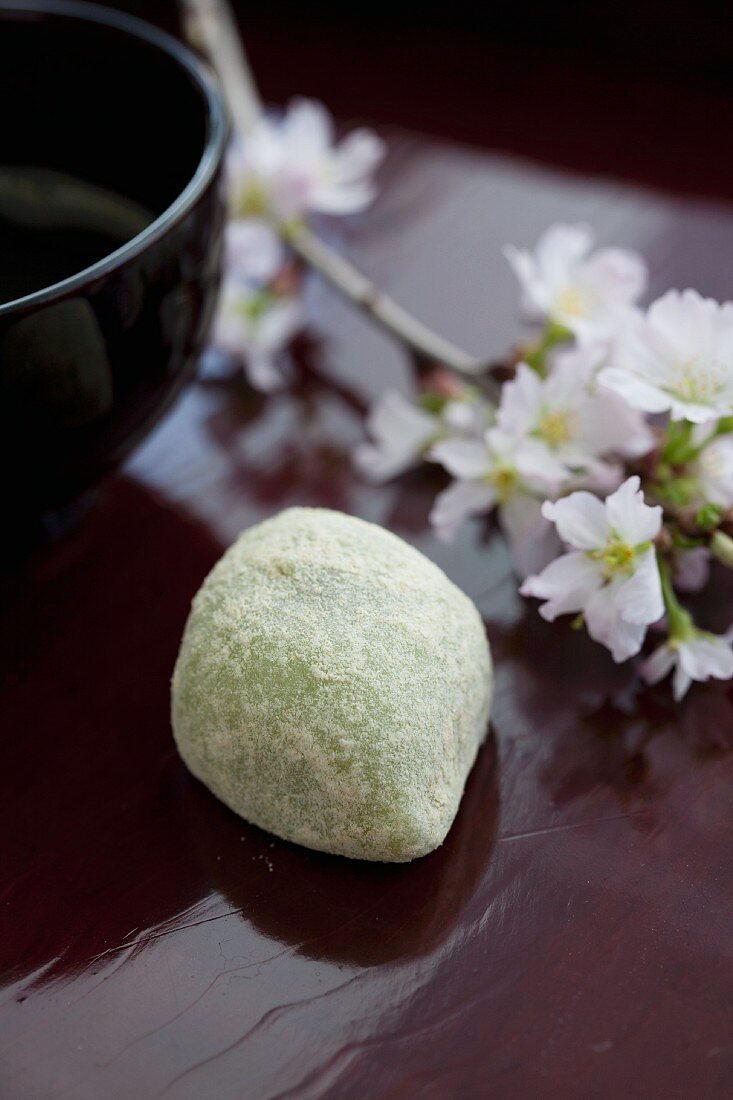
[333, 686]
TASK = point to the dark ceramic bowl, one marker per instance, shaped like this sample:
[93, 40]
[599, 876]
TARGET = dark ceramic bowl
[98, 332]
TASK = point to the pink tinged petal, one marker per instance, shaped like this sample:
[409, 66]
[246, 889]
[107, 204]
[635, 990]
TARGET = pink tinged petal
[630, 517]
[659, 664]
[533, 541]
[566, 584]
[580, 520]
[464, 458]
[691, 569]
[618, 274]
[639, 599]
[521, 402]
[457, 503]
[607, 626]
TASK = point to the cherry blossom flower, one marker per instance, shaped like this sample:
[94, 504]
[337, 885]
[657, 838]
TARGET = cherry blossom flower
[572, 428]
[403, 431]
[401, 434]
[498, 470]
[584, 292]
[695, 656]
[713, 470]
[678, 358]
[292, 166]
[256, 326]
[611, 573]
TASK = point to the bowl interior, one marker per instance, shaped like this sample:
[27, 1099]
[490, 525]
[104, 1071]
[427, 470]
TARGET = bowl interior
[91, 114]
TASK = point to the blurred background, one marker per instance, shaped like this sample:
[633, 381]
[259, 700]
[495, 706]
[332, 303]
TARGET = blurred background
[639, 89]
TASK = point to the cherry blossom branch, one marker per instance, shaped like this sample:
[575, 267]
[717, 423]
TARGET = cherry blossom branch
[211, 27]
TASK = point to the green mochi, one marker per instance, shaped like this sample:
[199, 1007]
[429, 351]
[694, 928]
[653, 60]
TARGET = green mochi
[333, 687]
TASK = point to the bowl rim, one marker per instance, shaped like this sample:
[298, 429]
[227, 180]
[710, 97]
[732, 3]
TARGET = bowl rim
[217, 131]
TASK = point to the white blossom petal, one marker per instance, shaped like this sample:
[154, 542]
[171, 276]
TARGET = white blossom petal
[359, 154]
[253, 250]
[634, 390]
[293, 165]
[256, 332]
[714, 470]
[584, 293]
[606, 624]
[457, 503]
[681, 682]
[678, 357]
[562, 247]
[698, 657]
[401, 432]
[612, 426]
[537, 464]
[263, 372]
[707, 656]
[533, 541]
[566, 584]
[619, 273]
[639, 599]
[464, 458]
[580, 520]
[630, 517]
[658, 664]
[521, 402]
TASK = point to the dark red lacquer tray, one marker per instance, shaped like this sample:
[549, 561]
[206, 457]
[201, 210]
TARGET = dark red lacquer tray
[573, 936]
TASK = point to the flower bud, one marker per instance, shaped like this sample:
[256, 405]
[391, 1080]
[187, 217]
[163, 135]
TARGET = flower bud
[721, 547]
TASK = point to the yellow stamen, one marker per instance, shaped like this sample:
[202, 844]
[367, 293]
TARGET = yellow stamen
[572, 301]
[504, 480]
[698, 382]
[556, 427]
[615, 557]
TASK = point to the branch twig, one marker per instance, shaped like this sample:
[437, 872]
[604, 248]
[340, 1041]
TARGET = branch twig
[211, 27]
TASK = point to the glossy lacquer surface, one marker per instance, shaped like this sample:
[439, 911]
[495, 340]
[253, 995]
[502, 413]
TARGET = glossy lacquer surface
[572, 938]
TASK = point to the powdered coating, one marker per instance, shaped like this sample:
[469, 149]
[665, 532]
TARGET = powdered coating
[333, 686]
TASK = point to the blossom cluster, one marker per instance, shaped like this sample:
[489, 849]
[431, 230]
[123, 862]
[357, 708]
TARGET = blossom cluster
[286, 169]
[606, 455]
